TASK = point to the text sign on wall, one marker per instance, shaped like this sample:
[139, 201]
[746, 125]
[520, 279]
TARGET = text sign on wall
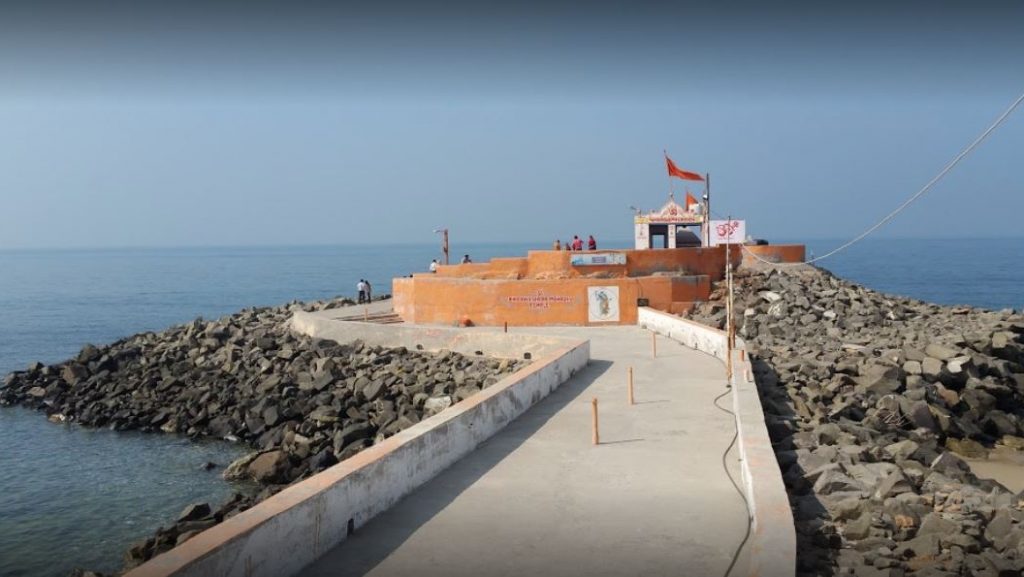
[598, 259]
[539, 300]
[728, 231]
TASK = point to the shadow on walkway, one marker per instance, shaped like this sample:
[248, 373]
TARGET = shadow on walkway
[360, 553]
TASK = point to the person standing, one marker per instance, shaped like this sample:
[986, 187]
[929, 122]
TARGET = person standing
[577, 242]
[433, 265]
[361, 287]
[591, 243]
[369, 290]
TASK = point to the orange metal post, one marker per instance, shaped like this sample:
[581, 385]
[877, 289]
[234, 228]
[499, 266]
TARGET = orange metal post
[593, 414]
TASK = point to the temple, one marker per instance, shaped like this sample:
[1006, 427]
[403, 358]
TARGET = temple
[670, 226]
[670, 269]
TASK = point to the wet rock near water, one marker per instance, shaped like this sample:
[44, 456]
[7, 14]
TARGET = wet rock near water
[303, 404]
[869, 400]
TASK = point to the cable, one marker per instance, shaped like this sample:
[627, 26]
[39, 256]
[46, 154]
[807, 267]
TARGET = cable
[746, 504]
[956, 160]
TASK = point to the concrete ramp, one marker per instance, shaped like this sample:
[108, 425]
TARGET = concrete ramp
[539, 499]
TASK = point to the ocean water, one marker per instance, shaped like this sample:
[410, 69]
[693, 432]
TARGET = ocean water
[984, 273]
[88, 494]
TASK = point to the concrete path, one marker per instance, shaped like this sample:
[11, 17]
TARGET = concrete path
[539, 499]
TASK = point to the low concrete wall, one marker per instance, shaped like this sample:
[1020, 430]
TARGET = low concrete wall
[500, 345]
[772, 544]
[290, 530]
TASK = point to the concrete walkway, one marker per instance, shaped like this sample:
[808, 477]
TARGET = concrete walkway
[539, 499]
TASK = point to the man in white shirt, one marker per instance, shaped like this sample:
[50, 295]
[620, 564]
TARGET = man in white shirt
[433, 265]
[361, 287]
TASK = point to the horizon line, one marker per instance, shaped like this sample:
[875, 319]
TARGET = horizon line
[361, 244]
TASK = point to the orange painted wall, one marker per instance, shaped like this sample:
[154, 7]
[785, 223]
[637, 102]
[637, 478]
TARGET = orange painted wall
[776, 253]
[447, 300]
[551, 264]
[544, 289]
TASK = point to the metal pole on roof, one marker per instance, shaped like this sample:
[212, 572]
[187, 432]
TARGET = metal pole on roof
[707, 209]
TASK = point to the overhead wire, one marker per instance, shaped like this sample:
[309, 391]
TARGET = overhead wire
[927, 187]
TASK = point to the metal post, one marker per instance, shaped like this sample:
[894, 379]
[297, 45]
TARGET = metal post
[444, 244]
[593, 421]
[707, 209]
[631, 386]
[728, 304]
[654, 345]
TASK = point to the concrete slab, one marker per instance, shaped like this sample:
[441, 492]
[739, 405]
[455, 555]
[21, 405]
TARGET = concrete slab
[539, 499]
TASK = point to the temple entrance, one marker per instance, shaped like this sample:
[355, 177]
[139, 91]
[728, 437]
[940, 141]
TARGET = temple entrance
[672, 226]
[658, 236]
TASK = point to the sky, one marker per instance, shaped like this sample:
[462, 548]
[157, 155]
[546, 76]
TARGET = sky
[135, 124]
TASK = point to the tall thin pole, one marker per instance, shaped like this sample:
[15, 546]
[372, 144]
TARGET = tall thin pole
[728, 303]
[444, 244]
[707, 209]
[670, 190]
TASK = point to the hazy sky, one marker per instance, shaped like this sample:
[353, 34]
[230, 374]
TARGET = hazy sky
[127, 124]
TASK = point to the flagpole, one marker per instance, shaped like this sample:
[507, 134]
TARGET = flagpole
[707, 208]
[665, 152]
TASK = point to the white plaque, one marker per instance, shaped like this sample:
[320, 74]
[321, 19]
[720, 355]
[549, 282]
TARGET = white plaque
[728, 232]
[603, 304]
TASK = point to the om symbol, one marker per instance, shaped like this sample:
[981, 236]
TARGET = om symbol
[726, 229]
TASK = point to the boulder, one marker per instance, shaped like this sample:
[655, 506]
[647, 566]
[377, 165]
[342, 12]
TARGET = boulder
[967, 448]
[269, 467]
[194, 512]
[940, 352]
[74, 372]
[931, 369]
[435, 405]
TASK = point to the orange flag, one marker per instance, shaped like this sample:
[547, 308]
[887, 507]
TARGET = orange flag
[677, 172]
[690, 201]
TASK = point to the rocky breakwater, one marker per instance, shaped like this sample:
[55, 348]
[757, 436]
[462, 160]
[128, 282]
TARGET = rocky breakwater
[302, 404]
[869, 401]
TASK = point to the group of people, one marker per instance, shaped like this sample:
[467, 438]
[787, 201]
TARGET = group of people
[365, 291]
[575, 244]
[434, 264]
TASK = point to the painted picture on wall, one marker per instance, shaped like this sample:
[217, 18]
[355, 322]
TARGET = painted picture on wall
[603, 304]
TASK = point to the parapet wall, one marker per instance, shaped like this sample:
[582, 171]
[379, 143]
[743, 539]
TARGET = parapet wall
[557, 264]
[546, 288]
[290, 530]
[774, 253]
[772, 543]
[470, 343]
[450, 300]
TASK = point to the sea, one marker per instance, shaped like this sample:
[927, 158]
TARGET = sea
[75, 497]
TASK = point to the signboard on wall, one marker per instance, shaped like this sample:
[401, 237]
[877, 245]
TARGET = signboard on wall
[603, 304]
[728, 231]
[539, 300]
[598, 259]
